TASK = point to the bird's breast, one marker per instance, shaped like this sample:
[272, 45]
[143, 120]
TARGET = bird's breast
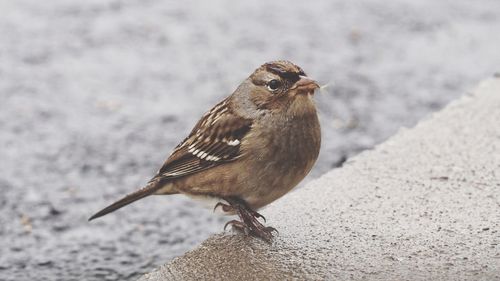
[287, 150]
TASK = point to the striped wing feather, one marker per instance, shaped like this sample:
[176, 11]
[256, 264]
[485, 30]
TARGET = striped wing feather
[215, 140]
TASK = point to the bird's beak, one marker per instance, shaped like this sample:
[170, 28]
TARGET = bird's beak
[305, 85]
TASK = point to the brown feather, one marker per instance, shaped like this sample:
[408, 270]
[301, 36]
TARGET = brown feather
[139, 194]
[213, 141]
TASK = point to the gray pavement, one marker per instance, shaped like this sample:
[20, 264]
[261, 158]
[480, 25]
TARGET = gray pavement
[424, 205]
[94, 95]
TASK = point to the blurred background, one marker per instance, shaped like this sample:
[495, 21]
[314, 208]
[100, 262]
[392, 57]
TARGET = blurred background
[95, 94]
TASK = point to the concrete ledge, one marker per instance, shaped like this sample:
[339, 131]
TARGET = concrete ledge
[424, 205]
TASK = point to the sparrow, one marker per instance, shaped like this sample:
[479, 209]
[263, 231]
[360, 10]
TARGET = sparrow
[247, 151]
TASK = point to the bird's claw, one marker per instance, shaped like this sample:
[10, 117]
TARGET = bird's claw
[265, 233]
[238, 225]
[271, 229]
[225, 207]
[257, 215]
[249, 219]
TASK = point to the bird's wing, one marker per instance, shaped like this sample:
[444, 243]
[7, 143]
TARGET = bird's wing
[215, 140]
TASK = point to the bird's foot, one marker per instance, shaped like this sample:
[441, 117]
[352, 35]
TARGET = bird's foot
[255, 229]
[263, 232]
[249, 224]
[257, 215]
[238, 225]
[227, 208]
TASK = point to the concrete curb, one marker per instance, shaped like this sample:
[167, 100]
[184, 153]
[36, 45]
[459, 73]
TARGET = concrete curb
[424, 205]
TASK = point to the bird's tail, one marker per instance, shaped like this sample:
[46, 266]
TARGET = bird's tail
[149, 189]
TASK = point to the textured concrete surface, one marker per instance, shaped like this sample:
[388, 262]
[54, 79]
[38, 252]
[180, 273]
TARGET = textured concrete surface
[423, 205]
[94, 95]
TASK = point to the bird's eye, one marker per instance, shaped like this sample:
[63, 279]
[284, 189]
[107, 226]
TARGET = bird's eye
[274, 85]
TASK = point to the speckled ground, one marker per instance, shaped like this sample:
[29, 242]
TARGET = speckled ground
[95, 94]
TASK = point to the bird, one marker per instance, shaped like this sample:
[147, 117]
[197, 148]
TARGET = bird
[250, 149]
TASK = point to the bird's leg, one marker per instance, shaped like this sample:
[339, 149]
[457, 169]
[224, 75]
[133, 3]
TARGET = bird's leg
[249, 219]
[256, 215]
[230, 208]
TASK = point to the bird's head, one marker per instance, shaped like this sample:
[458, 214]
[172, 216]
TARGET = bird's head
[278, 86]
